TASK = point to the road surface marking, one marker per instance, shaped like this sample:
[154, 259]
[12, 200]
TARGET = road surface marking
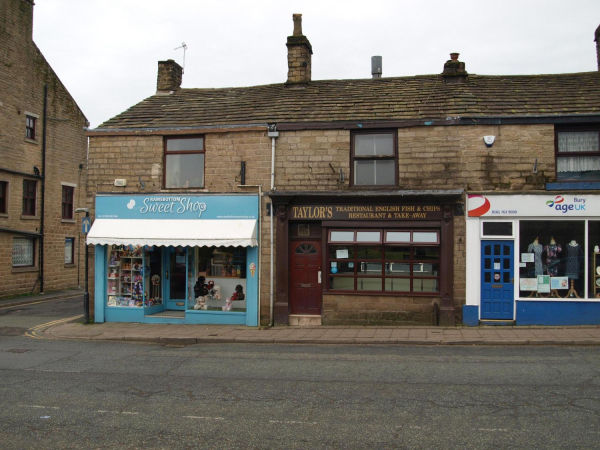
[56, 322]
[39, 406]
[493, 429]
[32, 331]
[205, 418]
[292, 422]
[127, 413]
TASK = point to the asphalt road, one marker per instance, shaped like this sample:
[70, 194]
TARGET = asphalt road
[16, 320]
[128, 395]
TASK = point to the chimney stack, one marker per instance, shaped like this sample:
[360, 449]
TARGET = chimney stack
[299, 54]
[169, 76]
[376, 66]
[454, 70]
[597, 39]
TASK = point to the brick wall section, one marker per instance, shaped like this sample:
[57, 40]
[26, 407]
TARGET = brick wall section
[457, 158]
[23, 74]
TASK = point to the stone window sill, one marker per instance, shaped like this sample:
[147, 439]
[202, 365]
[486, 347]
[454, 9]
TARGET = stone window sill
[31, 141]
[24, 269]
[3, 215]
[70, 266]
[23, 217]
[68, 221]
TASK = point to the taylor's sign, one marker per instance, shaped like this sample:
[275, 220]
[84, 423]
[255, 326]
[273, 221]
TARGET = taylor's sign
[366, 212]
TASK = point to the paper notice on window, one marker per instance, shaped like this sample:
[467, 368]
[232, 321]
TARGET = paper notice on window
[341, 254]
[559, 282]
[496, 266]
[527, 257]
[543, 284]
[528, 284]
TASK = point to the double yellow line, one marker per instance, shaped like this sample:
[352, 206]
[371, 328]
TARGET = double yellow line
[32, 332]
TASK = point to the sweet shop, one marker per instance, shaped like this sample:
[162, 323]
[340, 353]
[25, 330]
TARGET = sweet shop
[176, 259]
[533, 259]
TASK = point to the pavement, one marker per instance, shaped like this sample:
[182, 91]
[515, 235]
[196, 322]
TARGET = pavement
[367, 335]
[175, 334]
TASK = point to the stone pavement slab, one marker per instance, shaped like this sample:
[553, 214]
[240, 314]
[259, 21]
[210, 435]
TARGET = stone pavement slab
[365, 335]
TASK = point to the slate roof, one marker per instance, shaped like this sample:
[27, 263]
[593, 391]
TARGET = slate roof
[401, 98]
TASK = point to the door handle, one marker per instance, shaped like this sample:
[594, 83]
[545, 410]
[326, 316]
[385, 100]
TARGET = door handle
[167, 275]
[512, 280]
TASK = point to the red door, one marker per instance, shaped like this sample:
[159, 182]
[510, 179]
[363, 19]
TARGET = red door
[305, 285]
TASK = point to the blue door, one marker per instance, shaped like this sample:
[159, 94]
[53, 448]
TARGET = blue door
[497, 280]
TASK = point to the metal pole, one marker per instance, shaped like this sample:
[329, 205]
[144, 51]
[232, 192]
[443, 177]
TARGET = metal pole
[86, 294]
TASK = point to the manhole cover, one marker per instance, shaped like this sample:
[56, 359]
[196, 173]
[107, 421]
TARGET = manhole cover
[18, 350]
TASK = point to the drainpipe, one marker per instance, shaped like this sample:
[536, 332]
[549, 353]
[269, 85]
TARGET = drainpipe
[43, 201]
[273, 134]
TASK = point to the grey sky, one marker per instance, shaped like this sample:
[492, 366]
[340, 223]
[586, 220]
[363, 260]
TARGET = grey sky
[106, 51]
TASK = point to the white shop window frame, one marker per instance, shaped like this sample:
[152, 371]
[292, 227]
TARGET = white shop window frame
[517, 258]
[499, 237]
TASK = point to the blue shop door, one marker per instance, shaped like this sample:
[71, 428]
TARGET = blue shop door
[497, 280]
[175, 268]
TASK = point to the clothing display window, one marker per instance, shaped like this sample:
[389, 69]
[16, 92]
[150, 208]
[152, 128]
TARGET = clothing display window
[552, 258]
[593, 248]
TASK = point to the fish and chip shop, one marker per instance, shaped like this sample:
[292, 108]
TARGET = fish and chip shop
[533, 259]
[176, 259]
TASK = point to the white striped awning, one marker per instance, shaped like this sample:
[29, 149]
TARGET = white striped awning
[185, 233]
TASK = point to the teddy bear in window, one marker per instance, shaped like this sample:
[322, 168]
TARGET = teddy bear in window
[238, 294]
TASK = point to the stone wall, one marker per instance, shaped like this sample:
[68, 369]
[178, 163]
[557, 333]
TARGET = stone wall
[23, 74]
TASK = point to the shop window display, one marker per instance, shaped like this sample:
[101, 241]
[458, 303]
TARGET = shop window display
[593, 247]
[220, 284]
[128, 277]
[552, 259]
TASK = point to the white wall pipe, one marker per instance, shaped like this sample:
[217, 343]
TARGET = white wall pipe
[271, 296]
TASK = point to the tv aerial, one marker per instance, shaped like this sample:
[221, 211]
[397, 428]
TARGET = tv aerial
[184, 47]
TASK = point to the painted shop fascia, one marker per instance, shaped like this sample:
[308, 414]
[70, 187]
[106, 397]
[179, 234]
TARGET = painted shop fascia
[176, 258]
[364, 256]
[533, 258]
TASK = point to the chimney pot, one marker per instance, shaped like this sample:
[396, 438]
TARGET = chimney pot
[454, 70]
[169, 76]
[299, 55]
[297, 24]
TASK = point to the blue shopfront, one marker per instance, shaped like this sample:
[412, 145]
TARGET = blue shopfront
[533, 259]
[176, 259]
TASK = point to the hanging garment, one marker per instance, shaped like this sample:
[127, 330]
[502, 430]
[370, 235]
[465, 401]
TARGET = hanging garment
[537, 250]
[552, 259]
[574, 257]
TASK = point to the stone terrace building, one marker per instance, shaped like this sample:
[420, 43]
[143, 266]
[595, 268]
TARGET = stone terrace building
[42, 167]
[372, 181]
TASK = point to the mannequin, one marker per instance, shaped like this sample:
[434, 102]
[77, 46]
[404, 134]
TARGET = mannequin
[536, 248]
[552, 250]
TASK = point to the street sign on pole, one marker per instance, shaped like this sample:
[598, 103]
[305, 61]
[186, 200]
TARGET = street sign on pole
[86, 223]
